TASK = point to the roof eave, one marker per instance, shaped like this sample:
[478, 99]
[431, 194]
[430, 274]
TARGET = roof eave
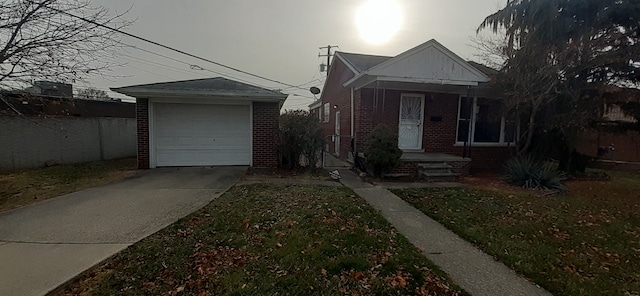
[361, 81]
[142, 93]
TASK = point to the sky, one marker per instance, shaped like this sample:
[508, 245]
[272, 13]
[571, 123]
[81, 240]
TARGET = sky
[278, 39]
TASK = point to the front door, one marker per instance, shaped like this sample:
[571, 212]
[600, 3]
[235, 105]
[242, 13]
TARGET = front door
[410, 124]
[337, 134]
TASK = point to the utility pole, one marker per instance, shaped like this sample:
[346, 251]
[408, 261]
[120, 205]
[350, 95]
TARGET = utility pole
[328, 55]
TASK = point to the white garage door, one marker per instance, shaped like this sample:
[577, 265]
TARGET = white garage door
[201, 135]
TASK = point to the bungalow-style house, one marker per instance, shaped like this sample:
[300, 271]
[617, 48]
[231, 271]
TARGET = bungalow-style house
[447, 118]
[205, 122]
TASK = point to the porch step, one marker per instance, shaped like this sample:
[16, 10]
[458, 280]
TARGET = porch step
[443, 174]
[434, 165]
[437, 171]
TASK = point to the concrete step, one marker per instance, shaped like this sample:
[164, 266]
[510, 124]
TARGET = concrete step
[439, 174]
[434, 171]
[434, 165]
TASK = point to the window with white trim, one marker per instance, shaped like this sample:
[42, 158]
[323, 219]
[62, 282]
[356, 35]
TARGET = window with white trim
[327, 113]
[481, 121]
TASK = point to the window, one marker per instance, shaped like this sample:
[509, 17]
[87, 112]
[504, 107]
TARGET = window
[319, 113]
[326, 112]
[481, 120]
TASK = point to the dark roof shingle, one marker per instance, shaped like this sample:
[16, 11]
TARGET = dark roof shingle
[213, 86]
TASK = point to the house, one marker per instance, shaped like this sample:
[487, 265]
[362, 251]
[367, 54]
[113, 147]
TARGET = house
[446, 115]
[205, 122]
[615, 136]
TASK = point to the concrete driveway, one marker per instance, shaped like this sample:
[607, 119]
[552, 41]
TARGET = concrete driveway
[46, 244]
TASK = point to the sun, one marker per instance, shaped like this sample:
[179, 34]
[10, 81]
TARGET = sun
[379, 20]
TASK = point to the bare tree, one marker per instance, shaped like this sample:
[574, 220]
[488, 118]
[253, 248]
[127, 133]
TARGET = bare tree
[44, 40]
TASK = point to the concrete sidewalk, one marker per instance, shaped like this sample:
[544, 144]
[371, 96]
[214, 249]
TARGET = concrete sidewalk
[470, 268]
[46, 244]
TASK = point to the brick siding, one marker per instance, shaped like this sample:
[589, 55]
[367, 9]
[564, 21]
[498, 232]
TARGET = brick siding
[265, 126]
[142, 120]
[440, 121]
[340, 97]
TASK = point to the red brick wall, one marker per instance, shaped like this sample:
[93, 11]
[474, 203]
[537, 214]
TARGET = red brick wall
[142, 120]
[438, 136]
[265, 125]
[339, 97]
[411, 168]
[364, 122]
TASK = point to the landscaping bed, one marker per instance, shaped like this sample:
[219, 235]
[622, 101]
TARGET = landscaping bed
[268, 239]
[584, 242]
[25, 187]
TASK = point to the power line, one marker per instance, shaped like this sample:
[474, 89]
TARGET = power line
[160, 65]
[171, 48]
[196, 67]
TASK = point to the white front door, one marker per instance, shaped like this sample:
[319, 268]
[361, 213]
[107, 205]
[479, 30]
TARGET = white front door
[337, 134]
[410, 124]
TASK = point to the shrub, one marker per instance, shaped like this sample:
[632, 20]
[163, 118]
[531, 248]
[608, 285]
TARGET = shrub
[381, 150]
[530, 173]
[299, 135]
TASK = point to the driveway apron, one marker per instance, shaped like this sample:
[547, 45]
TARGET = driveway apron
[48, 243]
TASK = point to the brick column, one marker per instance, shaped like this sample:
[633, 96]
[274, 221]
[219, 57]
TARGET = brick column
[142, 120]
[265, 126]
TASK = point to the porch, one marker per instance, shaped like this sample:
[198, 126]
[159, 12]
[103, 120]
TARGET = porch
[431, 166]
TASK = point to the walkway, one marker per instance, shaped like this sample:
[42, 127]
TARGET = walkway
[470, 268]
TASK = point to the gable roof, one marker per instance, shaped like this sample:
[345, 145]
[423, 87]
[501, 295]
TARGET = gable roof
[429, 62]
[217, 86]
[483, 68]
[361, 62]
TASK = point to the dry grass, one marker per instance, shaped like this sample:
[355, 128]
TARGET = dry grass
[30, 186]
[272, 240]
[586, 242]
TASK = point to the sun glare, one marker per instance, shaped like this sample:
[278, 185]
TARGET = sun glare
[378, 20]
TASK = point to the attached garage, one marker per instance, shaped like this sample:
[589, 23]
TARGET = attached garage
[205, 122]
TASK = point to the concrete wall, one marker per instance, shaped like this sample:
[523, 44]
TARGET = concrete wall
[28, 142]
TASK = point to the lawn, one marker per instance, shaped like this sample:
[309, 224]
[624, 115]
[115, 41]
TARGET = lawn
[271, 240]
[22, 188]
[586, 242]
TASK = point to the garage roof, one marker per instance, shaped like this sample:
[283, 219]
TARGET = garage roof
[214, 87]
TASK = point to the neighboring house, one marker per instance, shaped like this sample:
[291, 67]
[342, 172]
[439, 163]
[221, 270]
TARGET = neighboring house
[447, 119]
[611, 138]
[30, 104]
[204, 122]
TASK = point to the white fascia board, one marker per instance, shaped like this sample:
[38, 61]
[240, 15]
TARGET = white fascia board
[204, 97]
[344, 61]
[354, 79]
[315, 104]
[197, 94]
[358, 84]
[430, 81]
